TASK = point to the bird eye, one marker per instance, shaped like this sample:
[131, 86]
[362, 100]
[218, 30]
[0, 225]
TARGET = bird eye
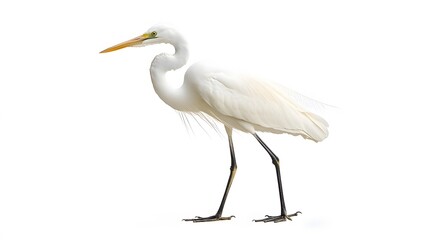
[153, 34]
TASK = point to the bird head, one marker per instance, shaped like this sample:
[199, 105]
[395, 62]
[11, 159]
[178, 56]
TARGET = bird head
[155, 35]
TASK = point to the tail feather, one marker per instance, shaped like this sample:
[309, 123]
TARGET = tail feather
[319, 130]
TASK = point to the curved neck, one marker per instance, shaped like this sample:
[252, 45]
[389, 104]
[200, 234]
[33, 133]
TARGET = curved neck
[176, 98]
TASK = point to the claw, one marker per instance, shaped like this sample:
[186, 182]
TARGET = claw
[213, 218]
[276, 219]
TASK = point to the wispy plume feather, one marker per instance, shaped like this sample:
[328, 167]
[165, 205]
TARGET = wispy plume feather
[203, 121]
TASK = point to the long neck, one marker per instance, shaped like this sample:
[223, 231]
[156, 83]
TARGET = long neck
[176, 98]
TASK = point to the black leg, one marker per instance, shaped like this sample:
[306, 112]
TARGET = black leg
[283, 213]
[233, 168]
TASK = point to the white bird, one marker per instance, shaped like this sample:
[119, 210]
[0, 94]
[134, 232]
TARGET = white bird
[237, 101]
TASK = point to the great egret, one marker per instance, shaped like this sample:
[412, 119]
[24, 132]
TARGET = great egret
[238, 102]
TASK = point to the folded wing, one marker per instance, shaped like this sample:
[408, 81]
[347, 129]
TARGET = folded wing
[266, 106]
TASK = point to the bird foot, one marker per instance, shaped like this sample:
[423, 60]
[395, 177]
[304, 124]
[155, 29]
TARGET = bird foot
[208, 219]
[277, 219]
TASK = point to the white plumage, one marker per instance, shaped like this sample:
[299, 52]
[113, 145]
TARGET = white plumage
[248, 104]
[237, 101]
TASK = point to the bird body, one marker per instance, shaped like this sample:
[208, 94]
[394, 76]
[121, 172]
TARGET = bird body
[238, 101]
[246, 103]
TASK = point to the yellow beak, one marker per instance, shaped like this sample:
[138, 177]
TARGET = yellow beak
[129, 43]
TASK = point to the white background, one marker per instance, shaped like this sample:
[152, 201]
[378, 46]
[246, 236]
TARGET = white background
[88, 151]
